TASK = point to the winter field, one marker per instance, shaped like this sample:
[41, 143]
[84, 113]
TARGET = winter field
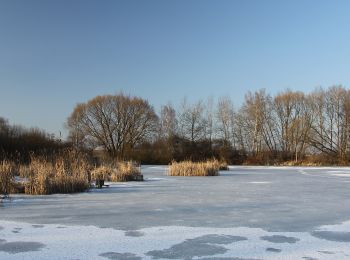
[245, 213]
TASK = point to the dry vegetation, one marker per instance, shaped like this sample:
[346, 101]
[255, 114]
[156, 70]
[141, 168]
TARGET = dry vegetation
[123, 171]
[223, 166]
[189, 168]
[67, 173]
[7, 177]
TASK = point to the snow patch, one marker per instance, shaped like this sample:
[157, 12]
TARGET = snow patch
[80, 242]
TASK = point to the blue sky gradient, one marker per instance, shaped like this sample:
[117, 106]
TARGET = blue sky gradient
[54, 54]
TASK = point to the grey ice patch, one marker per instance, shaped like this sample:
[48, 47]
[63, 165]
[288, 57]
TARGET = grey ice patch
[218, 239]
[275, 250]
[37, 226]
[132, 233]
[187, 250]
[200, 246]
[309, 258]
[332, 235]
[1, 228]
[16, 230]
[19, 247]
[228, 258]
[120, 256]
[2, 240]
[61, 227]
[280, 239]
[326, 252]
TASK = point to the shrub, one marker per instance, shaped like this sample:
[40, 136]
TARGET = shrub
[189, 168]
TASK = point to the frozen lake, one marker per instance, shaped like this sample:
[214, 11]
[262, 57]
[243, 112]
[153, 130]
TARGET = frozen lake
[246, 213]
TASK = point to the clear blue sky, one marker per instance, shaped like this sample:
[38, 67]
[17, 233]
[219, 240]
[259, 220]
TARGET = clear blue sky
[54, 54]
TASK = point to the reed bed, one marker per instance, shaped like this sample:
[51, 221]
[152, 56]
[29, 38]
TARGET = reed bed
[223, 166]
[121, 172]
[102, 173]
[189, 168]
[126, 171]
[7, 177]
[68, 173]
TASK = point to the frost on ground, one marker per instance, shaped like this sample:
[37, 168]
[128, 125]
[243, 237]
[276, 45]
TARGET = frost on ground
[170, 242]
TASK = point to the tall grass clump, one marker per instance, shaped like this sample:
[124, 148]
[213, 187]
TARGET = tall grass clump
[126, 171]
[119, 172]
[66, 173]
[189, 168]
[102, 173]
[223, 166]
[7, 177]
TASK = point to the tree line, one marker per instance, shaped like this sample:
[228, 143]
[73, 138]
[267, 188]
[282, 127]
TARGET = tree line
[18, 143]
[265, 129]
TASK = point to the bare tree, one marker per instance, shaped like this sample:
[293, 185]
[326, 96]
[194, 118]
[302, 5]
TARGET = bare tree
[209, 112]
[257, 122]
[113, 121]
[331, 127]
[168, 121]
[225, 114]
[294, 121]
[192, 121]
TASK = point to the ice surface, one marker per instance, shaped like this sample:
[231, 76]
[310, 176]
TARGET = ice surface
[276, 212]
[167, 242]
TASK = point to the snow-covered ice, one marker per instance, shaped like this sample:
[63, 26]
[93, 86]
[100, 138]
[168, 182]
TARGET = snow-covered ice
[55, 241]
[247, 213]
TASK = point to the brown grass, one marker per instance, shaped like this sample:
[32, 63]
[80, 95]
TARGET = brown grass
[189, 168]
[223, 166]
[123, 171]
[102, 173]
[126, 171]
[68, 173]
[24, 171]
[7, 177]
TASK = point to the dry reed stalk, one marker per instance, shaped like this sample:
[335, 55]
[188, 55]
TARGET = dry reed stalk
[223, 166]
[189, 168]
[124, 171]
[24, 171]
[67, 174]
[102, 173]
[7, 177]
[40, 174]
